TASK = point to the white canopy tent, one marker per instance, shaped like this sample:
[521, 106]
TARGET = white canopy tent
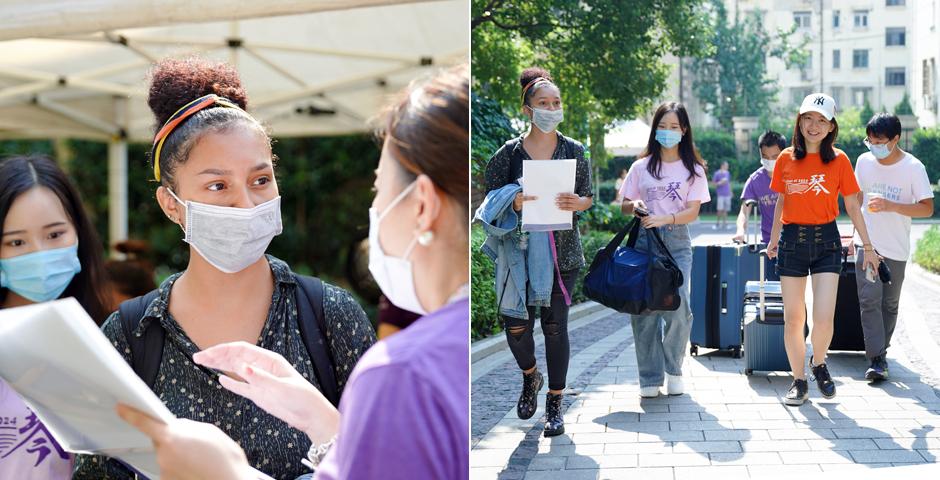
[83, 74]
[627, 139]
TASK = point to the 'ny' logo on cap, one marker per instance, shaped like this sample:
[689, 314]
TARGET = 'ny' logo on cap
[819, 101]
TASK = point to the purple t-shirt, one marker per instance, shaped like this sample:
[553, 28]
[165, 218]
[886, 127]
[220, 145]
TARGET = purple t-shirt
[723, 190]
[27, 449]
[406, 409]
[757, 188]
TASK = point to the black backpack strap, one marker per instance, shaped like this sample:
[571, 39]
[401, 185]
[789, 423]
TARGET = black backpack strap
[313, 332]
[147, 349]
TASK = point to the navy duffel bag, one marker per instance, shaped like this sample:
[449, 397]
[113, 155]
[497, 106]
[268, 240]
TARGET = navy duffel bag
[633, 281]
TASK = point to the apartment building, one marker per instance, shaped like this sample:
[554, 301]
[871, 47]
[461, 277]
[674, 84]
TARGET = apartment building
[925, 95]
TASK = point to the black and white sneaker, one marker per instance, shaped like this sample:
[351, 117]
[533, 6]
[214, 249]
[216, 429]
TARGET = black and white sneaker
[878, 370]
[823, 380]
[798, 393]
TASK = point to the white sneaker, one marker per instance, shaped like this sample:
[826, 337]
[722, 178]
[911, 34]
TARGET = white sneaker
[674, 384]
[649, 392]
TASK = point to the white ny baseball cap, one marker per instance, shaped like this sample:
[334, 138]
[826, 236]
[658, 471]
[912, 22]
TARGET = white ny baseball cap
[820, 103]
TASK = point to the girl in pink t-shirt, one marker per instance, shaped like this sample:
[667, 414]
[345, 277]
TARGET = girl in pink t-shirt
[670, 183]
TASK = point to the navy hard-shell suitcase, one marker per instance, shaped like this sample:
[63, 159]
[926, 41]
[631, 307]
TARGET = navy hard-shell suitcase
[719, 274]
[764, 349]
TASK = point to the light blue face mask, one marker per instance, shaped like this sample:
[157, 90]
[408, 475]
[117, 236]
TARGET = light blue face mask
[40, 276]
[668, 138]
[880, 152]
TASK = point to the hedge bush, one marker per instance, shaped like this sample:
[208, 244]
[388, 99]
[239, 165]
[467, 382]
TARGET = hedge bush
[484, 320]
[927, 254]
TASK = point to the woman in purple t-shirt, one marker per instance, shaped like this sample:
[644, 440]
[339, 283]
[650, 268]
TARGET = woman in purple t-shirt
[669, 182]
[48, 250]
[405, 411]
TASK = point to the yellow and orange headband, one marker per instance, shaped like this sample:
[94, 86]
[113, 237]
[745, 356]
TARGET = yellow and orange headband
[177, 118]
[533, 82]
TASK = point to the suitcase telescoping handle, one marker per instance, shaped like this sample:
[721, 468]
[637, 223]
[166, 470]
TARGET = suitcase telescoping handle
[760, 283]
[753, 245]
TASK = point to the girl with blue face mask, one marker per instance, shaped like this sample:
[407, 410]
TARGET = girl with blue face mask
[48, 250]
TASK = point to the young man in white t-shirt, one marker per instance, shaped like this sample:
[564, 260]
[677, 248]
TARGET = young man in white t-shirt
[895, 188]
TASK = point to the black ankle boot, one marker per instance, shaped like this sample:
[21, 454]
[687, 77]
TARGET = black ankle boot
[531, 384]
[554, 422]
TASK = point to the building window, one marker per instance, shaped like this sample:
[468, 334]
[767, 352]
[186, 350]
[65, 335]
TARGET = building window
[802, 19]
[894, 3]
[894, 77]
[836, 59]
[835, 19]
[837, 95]
[859, 58]
[797, 94]
[860, 95]
[861, 18]
[895, 37]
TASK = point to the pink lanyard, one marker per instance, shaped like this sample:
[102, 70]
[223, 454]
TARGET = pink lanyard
[561, 283]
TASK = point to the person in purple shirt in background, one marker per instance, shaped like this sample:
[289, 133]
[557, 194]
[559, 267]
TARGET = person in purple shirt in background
[757, 188]
[722, 181]
[405, 411]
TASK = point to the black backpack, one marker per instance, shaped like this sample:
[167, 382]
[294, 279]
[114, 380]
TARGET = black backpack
[147, 349]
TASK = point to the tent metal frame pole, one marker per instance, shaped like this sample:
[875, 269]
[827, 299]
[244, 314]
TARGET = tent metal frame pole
[78, 116]
[117, 182]
[273, 66]
[323, 87]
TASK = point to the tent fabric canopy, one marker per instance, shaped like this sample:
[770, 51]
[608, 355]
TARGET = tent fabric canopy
[74, 69]
[308, 74]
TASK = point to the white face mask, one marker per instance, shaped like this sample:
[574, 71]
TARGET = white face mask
[768, 164]
[547, 120]
[231, 239]
[394, 275]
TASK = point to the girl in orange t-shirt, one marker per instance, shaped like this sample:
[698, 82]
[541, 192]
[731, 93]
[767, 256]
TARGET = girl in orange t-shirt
[809, 176]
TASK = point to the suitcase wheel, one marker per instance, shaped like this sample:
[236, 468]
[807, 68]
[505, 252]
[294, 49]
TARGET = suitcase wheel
[693, 350]
[737, 353]
[748, 371]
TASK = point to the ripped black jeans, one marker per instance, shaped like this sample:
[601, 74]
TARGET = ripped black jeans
[554, 328]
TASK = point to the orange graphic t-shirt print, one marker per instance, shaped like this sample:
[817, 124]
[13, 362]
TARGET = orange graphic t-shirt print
[811, 189]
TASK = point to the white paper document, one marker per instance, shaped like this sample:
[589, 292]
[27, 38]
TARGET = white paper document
[545, 179]
[58, 360]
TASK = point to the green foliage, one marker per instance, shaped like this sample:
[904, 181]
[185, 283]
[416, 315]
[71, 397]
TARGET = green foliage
[732, 81]
[603, 217]
[904, 107]
[926, 147]
[484, 319]
[491, 128]
[605, 56]
[866, 113]
[927, 254]
[715, 147]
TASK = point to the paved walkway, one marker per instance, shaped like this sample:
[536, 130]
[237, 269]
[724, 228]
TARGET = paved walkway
[728, 424]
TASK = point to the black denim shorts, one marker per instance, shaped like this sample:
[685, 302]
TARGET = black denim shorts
[809, 249]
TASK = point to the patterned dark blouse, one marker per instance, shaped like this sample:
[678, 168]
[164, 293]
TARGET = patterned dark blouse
[193, 392]
[502, 170]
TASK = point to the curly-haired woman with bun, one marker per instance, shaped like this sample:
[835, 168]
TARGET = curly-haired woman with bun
[541, 103]
[215, 169]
